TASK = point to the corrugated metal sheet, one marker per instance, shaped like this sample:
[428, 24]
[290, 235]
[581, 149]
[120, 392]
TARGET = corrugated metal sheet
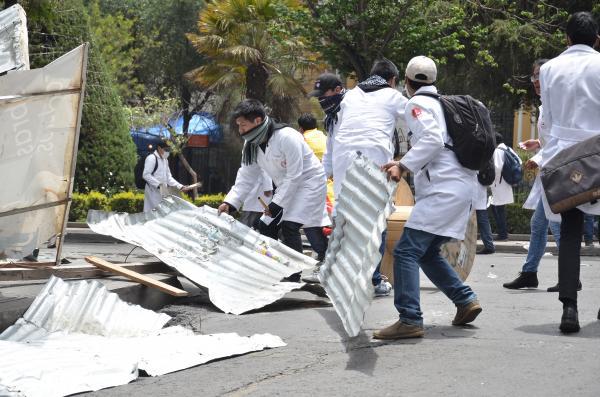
[364, 204]
[88, 307]
[14, 48]
[241, 268]
[72, 340]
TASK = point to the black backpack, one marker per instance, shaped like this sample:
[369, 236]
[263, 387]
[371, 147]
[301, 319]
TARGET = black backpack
[138, 171]
[487, 174]
[470, 127]
[512, 172]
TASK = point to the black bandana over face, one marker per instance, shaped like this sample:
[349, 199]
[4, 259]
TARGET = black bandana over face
[331, 107]
[373, 83]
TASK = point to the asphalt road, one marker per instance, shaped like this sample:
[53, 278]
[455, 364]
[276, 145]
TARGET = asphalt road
[513, 349]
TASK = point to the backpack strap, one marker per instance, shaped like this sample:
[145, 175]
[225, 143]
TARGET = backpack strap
[155, 164]
[435, 96]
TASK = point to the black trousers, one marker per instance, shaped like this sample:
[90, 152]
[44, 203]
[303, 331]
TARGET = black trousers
[569, 261]
[290, 232]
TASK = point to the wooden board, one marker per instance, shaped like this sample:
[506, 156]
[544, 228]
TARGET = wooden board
[135, 276]
[16, 273]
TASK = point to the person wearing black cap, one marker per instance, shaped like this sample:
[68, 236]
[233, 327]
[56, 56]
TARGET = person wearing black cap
[158, 177]
[570, 84]
[329, 90]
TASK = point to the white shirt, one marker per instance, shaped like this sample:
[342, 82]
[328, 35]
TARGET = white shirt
[444, 189]
[162, 176]
[366, 123]
[570, 91]
[502, 192]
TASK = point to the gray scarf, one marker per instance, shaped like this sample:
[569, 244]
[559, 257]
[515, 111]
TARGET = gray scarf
[253, 140]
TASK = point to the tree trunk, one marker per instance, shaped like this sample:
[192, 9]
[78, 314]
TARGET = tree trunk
[256, 82]
[186, 97]
[191, 171]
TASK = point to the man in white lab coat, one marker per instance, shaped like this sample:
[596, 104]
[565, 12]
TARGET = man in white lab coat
[570, 87]
[158, 177]
[297, 174]
[366, 123]
[444, 191]
[252, 208]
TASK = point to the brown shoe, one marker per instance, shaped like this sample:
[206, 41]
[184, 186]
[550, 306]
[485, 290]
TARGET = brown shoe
[467, 313]
[399, 330]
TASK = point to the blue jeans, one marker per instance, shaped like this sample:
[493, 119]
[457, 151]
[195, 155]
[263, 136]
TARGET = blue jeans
[499, 212]
[376, 279]
[418, 248]
[485, 230]
[588, 228]
[539, 237]
[317, 240]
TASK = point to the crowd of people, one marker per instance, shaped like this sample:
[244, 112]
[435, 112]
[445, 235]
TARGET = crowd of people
[290, 170]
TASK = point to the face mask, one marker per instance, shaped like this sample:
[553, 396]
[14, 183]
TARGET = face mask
[166, 154]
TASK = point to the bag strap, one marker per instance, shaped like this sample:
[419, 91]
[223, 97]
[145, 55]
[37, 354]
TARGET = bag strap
[435, 96]
[155, 164]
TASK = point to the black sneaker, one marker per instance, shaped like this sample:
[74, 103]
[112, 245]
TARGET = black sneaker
[569, 322]
[555, 287]
[485, 251]
[525, 280]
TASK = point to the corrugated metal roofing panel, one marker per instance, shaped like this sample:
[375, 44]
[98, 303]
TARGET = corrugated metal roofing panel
[72, 339]
[241, 268]
[364, 203]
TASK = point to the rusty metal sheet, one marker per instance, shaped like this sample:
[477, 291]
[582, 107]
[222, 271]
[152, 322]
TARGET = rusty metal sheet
[40, 113]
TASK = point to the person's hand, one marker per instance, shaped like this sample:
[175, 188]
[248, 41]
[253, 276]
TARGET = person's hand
[530, 144]
[268, 193]
[184, 188]
[531, 165]
[394, 170]
[224, 207]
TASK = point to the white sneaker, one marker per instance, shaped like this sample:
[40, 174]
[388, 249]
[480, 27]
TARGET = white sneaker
[314, 277]
[384, 288]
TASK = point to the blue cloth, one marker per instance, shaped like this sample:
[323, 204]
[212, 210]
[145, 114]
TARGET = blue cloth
[499, 212]
[485, 230]
[317, 240]
[376, 279]
[588, 228]
[539, 237]
[415, 249]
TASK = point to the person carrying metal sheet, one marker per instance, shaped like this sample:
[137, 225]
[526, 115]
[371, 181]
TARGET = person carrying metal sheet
[287, 159]
[570, 84]
[444, 190]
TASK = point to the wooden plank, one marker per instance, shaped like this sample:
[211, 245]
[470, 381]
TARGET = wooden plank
[15, 273]
[135, 276]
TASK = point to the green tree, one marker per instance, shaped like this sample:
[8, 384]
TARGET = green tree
[107, 154]
[248, 52]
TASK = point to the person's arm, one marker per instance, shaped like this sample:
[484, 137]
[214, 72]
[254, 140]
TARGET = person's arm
[246, 179]
[286, 191]
[431, 142]
[149, 164]
[327, 156]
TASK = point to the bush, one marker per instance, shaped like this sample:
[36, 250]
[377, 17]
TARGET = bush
[127, 202]
[517, 219]
[130, 202]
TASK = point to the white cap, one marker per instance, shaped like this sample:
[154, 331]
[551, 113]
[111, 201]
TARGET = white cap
[421, 69]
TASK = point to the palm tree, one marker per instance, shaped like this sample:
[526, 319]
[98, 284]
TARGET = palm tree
[246, 50]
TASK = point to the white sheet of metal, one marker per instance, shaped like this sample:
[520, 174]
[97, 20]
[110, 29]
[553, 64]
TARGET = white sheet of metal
[364, 204]
[40, 113]
[85, 347]
[241, 268]
[14, 44]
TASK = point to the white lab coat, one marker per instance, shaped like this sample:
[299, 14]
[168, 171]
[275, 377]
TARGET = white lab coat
[251, 203]
[366, 123]
[152, 193]
[296, 172]
[444, 189]
[480, 199]
[327, 156]
[502, 192]
[570, 86]
[535, 195]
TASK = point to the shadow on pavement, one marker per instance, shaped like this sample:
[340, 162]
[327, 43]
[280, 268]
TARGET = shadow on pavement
[450, 331]
[590, 330]
[361, 355]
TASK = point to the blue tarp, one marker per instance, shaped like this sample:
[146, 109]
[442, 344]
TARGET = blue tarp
[200, 124]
